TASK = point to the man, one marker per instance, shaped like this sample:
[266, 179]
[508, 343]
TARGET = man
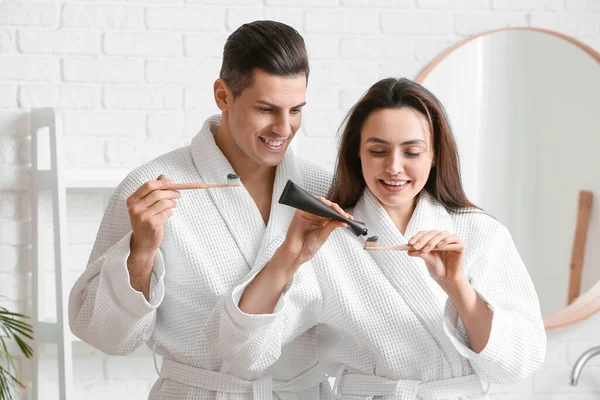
[163, 259]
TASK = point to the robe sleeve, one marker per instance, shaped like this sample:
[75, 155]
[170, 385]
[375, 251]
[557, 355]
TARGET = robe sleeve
[517, 342]
[104, 309]
[250, 343]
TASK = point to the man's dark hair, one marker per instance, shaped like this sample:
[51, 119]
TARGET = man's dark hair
[268, 45]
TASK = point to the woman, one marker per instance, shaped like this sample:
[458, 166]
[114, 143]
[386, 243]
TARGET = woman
[402, 325]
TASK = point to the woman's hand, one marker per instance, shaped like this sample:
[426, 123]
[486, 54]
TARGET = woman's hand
[445, 267]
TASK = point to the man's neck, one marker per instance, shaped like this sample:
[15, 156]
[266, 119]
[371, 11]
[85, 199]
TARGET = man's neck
[257, 179]
[249, 171]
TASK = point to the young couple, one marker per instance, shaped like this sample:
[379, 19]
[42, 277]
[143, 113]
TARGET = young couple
[246, 298]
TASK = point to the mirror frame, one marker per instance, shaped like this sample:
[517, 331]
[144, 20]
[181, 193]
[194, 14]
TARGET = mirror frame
[588, 303]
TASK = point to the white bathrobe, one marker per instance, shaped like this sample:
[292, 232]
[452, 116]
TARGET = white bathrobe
[386, 327]
[210, 243]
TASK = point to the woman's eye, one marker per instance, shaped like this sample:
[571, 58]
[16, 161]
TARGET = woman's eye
[378, 152]
[411, 154]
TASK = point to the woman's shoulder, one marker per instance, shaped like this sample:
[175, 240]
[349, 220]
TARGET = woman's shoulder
[475, 226]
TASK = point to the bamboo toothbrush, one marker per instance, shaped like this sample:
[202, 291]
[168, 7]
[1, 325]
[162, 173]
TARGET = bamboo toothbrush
[372, 244]
[232, 181]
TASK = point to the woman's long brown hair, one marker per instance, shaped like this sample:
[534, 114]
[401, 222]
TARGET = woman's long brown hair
[444, 182]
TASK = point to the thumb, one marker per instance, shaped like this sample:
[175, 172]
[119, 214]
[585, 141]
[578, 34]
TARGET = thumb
[165, 179]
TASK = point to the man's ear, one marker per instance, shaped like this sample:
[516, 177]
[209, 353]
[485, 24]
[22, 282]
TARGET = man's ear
[223, 95]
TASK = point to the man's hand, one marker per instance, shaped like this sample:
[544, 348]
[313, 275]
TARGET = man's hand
[149, 207]
[308, 232]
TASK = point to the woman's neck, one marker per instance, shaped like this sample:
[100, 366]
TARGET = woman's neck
[401, 215]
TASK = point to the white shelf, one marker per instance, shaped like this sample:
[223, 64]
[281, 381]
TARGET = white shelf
[49, 175]
[94, 178]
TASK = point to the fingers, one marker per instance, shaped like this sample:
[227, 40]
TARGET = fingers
[160, 206]
[416, 237]
[150, 193]
[311, 217]
[161, 183]
[318, 220]
[425, 241]
[418, 253]
[314, 233]
[450, 239]
[420, 240]
[433, 242]
[156, 196]
[335, 207]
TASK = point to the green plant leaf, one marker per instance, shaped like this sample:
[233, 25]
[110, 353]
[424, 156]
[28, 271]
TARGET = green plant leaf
[12, 326]
[25, 348]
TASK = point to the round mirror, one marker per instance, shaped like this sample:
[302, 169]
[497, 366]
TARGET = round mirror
[524, 104]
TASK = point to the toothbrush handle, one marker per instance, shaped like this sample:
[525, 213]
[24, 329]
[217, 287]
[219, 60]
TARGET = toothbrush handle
[193, 185]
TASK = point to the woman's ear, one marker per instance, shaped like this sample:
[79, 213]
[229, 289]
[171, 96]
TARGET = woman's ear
[223, 95]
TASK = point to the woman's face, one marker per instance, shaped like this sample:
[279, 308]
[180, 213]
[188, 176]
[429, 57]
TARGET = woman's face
[396, 153]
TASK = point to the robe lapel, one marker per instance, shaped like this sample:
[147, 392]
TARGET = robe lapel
[235, 205]
[409, 274]
[281, 215]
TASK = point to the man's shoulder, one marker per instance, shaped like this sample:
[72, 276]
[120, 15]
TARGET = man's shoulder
[176, 165]
[317, 179]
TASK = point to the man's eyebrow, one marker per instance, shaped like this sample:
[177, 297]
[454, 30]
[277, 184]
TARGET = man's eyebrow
[276, 106]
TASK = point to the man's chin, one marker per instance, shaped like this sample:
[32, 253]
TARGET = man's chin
[270, 159]
[266, 160]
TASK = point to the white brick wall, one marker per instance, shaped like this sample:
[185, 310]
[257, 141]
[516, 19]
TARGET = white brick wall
[142, 44]
[187, 18]
[63, 97]
[133, 79]
[47, 41]
[105, 70]
[102, 16]
[28, 68]
[28, 13]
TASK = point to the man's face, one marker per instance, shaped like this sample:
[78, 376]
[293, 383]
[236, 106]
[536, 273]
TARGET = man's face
[264, 118]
